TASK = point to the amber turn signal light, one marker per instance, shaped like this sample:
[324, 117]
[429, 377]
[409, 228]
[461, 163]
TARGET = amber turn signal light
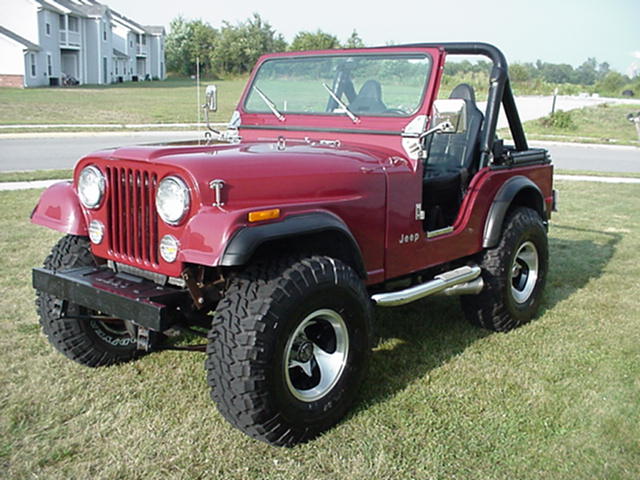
[262, 215]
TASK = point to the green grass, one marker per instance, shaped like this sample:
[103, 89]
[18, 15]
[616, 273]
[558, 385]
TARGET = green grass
[169, 101]
[596, 173]
[28, 176]
[600, 124]
[557, 398]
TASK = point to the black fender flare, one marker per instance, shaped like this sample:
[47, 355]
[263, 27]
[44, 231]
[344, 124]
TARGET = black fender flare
[246, 241]
[503, 200]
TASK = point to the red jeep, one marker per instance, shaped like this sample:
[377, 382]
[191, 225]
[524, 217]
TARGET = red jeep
[343, 182]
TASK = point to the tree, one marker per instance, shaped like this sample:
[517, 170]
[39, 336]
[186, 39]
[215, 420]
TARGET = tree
[314, 41]
[612, 83]
[354, 41]
[176, 46]
[603, 69]
[518, 73]
[586, 73]
[187, 41]
[202, 41]
[239, 46]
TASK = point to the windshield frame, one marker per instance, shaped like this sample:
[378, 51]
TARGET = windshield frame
[343, 53]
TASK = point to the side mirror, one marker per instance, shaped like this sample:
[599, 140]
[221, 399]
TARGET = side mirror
[211, 98]
[450, 115]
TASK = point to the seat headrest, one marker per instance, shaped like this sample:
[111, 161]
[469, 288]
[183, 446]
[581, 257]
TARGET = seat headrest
[465, 92]
[371, 89]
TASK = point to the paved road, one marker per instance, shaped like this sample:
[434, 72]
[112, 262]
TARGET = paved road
[62, 150]
[35, 152]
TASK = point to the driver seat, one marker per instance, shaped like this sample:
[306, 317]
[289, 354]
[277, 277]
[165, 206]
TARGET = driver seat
[451, 162]
[369, 99]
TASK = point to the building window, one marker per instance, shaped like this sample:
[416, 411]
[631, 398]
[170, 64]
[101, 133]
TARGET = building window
[61, 24]
[49, 66]
[104, 31]
[47, 28]
[130, 43]
[32, 57]
[144, 39]
[73, 24]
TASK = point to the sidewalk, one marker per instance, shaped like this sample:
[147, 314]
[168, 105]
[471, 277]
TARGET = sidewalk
[11, 186]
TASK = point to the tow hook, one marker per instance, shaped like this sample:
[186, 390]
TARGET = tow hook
[142, 341]
[194, 287]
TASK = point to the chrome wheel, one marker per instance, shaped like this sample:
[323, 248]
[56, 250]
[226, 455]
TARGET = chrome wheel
[524, 272]
[316, 354]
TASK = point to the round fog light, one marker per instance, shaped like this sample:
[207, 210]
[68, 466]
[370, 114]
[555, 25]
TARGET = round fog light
[169, 248]
[96, 231]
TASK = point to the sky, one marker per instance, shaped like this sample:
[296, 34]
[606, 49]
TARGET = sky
[557, 31]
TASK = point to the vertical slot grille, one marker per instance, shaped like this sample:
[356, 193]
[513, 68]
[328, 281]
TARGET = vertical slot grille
[133, 229]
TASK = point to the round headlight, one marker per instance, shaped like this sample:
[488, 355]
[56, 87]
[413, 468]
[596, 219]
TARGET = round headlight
[169, 247]
[172, 200]
[91, 184]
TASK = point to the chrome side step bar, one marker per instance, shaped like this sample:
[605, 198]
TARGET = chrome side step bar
[461, 281]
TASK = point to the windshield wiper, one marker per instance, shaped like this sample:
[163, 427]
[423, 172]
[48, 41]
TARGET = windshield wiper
[269, 104]
[343, 105]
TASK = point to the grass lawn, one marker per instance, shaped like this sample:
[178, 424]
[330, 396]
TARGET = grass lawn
[169, 101]
[31, 175]
[600, 124]
[557, 398]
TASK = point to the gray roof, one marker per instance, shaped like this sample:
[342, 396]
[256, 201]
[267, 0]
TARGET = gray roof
[82, 9]
[120, 54]
[155, 29]
[14, 36]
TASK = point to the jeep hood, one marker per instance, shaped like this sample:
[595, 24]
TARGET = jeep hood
[265, 173]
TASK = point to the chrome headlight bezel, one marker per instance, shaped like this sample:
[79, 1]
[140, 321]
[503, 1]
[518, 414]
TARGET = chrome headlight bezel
[90, 200]
[179, 211]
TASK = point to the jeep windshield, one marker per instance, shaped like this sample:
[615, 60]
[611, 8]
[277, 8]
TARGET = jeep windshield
[353, 85]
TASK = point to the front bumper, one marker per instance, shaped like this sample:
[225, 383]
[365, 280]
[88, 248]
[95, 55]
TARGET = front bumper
[119, 294]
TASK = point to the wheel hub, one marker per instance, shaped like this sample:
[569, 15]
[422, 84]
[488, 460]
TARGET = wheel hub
[315, 355]
[524, 272]
[303, 352]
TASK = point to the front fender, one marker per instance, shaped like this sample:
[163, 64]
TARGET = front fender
[59, 209]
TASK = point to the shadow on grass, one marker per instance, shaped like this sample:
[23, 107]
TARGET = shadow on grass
[574, 262]
[413, 340]
[420, 337]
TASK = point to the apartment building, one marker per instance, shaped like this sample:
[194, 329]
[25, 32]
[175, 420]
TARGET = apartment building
[48, 42]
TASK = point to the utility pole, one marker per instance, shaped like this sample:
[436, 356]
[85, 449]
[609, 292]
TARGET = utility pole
[553, 105]
[635, 119]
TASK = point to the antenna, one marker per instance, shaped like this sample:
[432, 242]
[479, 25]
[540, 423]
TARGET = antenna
[198, 105]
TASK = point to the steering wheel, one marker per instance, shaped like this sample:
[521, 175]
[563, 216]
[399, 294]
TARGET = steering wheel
[395, 111]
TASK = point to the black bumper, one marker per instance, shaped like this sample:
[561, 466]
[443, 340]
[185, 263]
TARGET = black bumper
[121, 295]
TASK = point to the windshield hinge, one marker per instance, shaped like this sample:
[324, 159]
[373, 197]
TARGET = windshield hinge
[419, 212]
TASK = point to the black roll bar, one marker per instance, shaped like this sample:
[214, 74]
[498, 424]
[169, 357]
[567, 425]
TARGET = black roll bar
[499, 92]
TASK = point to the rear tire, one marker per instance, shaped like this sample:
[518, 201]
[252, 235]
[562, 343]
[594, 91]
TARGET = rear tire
[289, 347]
[93, 343]
[514, 275]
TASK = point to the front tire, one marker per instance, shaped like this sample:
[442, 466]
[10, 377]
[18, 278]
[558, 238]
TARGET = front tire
[289, 347]
[77, 332]
[514, 274]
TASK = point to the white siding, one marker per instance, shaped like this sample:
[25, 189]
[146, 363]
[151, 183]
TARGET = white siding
[21, 18]
[12, 56]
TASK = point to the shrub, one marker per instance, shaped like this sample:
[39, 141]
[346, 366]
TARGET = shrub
[559, 119]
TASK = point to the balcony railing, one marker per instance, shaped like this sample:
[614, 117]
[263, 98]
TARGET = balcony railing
[141, 50]
[69, 38]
